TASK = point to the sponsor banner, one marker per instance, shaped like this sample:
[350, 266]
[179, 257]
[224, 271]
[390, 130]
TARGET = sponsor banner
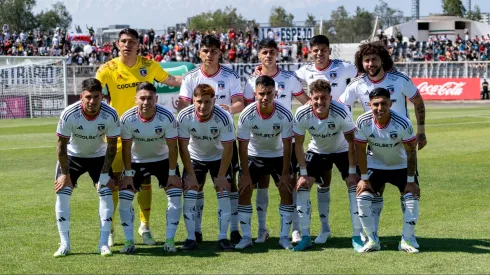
[169, 96]
[448, 88]
[43, 107]
[30, 74]
[246, 70]
[13, 107]
[288, 34]
[80, 39]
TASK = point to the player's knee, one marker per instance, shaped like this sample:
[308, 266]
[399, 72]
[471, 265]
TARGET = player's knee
[263, 182]
[245, 197]
[286, 196]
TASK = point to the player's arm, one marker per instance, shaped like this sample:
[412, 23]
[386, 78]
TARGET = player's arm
[174, 81]
[185, 94]
[349, 96]
[300, 156]
[173, 153]
[361, 142]
[127, 179]
[109, 158]
[303, 98]
[299, 93]
[411, 149]
[64, 179]
[237, 105]
[353, 177]
[419, 107]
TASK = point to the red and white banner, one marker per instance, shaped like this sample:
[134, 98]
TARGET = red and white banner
[448, 88]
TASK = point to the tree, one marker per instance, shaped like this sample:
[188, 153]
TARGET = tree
[310, 20]
[474, 14]
[219, 19]
[64, 16]
[453, 7]
[340, 20]
[18, 14]
[280, 18]
[362, 22]
[48, 20]
[387, 16]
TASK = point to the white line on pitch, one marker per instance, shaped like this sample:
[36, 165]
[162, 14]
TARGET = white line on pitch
[456, 123]
[22, 148]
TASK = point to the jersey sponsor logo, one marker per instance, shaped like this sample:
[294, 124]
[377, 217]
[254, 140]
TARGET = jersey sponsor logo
[84, 137]
[158, 130]
[100, 127]
[148, 139]
[221, 85]
[393, 135]
[324, 135]
[383, 145]
[128, 85]
[276, 127]
[80, 127]
[333, 75]
[331, 125]
[143, 72]
[266, 135]
[214, 131]
[136, 131]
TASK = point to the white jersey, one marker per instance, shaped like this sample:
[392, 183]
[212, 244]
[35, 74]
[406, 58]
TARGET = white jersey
[397, 83]
[327, 135]
[337, 73]
[287, 86]
[149, 136]
[87, 134]
[388, 152]
[206, 136]
[265, 133]
[225, 82]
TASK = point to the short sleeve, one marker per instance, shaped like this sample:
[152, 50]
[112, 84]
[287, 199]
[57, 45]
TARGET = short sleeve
[235, 88]
[227, 131]
[126, 131]
[409, 89]
[287, 131]
[408, 134]
[350, 70]
[172, 131]
[160, 74]
[349, 96]
[300, 73]
[113, 128]
[299, 125]
[64, 128]
[296, 87]
[248, 91]
[359, 135]
[186, 89]
[348, 125]
[183, 128]
[243, 132]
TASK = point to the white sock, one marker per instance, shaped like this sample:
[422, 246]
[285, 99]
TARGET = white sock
[377, 206]
[189, 209]
[410, 216]
[261, 202]
[285, 211]
[106, 210]
[234, 211]
[245, 218]
[174, 210]
[62, 209]
[402, 204]
[303, 209]
[126, 213]
[199, 210]
[224, 213]
[323, 196]
[295, 216]
[354, 212]
[364, 202]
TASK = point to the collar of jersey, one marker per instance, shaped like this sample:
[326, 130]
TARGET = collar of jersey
[326, 68]
[144, 119]
[278, 71]
[202, 120]
[379, 126]
[314, 113]
[273, 111]
[376, 82]
[210, 76]
[138, 61]
[88, 117]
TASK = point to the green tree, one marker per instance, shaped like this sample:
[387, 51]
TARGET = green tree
[341, 21]
[453, 7]
[310, 20]
[64, 16]
[280, 18]
[474, 14]
[362, 22]
[219, 19]
[18, 14]
[47, 20]
[388, 16]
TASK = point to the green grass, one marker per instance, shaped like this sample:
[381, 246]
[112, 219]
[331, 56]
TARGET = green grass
[453, 230]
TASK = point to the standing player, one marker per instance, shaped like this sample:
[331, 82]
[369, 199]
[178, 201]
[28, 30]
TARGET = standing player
[376, 66]
[338, 73]
[268, 125]
[206, 136]
[287, 87]
[121, 76]
[149, 147]
[81, 148]
[332, 142]
[394, 159]
[229, 96]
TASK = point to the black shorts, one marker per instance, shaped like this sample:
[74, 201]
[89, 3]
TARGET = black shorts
[78, 166]
[378, 178]
[259, 166]
[201, 168]
[318, 164]
[234, 158]
[159, 169]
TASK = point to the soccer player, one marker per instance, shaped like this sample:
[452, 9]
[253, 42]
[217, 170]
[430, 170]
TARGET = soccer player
[339, 73]
[265, 130]
[377, 68]
[287, 87]
[81, 148]
[121, 76]
[332, 142]
[229, 96]
[393, 159]
[149, 147]
[206, 136]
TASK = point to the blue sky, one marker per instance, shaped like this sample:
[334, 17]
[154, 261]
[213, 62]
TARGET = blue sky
[161, 13]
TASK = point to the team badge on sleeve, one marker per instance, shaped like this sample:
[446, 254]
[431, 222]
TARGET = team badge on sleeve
[158, 130]
[143, 72]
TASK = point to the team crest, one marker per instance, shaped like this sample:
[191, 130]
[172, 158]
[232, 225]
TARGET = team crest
[276, 127]
[393, 135]
[214, 131]
[101, 127]
[143, 72]
[221, 85]
[158, 130]
[390, 89]
[281, 86]
[331, 125]
[333, 75]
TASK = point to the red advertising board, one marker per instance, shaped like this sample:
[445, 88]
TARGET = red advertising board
[448, 88]
[13, 107]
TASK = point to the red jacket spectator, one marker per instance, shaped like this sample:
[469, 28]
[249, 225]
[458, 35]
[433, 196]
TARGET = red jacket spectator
[232, 54]
[158, 58]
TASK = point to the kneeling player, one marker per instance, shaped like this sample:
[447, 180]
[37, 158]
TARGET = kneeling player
[81, 148]
[206, 136]
[332, 142]
[149, 147]
[385, 131]
[264, 134]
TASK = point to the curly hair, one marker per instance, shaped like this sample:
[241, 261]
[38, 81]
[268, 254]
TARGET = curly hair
[377, 48]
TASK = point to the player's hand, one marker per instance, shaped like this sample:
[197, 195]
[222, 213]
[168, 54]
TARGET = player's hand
[111, 184]
[222, 184]
[62, 182]
[190, 182]
[286, 183]
[353, 179]
[174, 182]
[413, 188]
[126, 182]
[421, 140]
[244, 182]
[363, 186]
[257, 71]
[304, 181]
[225, 107]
